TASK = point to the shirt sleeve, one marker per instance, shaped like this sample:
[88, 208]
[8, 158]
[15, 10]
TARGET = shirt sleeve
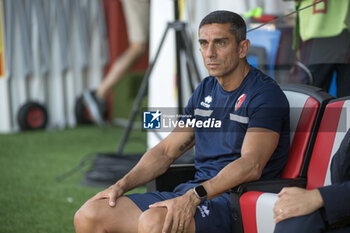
[269, 109]
[340, 165]
[336, 200]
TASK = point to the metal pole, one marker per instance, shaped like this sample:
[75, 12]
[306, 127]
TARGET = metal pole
[178, 46]
[141, 93]
[179, 27]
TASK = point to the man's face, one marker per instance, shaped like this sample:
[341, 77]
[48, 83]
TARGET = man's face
[219, 49]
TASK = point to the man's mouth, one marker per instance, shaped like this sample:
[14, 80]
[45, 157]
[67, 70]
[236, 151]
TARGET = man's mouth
[213, 65]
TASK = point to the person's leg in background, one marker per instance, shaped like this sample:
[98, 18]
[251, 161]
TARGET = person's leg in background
[124, 63]
[137, 22]
[322, 75]
[343, 80]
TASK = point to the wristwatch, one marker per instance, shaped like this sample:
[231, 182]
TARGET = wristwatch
[201, 193]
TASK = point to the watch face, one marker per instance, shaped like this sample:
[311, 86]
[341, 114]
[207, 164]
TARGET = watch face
[201, 191]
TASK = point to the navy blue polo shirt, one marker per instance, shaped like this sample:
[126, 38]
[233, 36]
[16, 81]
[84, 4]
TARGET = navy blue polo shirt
[224, 118]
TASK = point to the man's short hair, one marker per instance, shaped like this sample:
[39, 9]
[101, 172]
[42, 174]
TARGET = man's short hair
[237, 28]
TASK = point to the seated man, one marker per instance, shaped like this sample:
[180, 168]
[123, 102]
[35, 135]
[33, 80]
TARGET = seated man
[252, 142]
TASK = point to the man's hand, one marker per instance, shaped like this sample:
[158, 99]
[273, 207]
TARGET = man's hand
[180, 212]
[112, 194]
[295, 202]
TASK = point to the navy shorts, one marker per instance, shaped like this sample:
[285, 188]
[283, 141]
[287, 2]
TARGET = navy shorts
[212, 216]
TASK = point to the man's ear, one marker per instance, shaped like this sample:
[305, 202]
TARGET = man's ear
[243, 48]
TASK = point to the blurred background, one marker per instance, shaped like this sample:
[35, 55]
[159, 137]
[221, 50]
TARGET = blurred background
[53, 50]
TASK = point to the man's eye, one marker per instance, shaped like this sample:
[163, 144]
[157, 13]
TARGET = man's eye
[203, 44]
[220, 44]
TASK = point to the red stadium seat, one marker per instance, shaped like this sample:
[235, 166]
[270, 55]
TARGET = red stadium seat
[257, 207]
[306, 106]
[306, 109]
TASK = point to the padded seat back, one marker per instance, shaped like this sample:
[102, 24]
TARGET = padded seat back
[334, 125]
[257, 207]
[306, 106]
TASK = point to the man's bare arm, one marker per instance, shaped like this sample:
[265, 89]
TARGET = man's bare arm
[258, 147]
[157, 160]
[152, 164]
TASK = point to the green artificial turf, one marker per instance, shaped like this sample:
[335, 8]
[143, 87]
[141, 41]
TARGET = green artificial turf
[31, 200]
[124, 95]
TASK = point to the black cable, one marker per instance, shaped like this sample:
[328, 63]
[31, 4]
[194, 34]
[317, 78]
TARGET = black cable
[87, 158]
[79, 167]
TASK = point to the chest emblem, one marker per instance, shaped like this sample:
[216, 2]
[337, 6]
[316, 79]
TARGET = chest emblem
[207, 101]
[240, 101]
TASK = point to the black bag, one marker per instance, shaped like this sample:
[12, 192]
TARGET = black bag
[108, 168]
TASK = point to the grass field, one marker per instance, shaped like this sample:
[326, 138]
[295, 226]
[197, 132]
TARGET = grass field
[31, 200]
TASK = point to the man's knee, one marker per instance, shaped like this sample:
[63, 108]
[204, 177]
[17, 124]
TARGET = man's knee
[138, 49]
[152, 220]
[89, 213]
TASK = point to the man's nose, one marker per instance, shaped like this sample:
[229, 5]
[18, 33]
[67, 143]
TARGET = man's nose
[211, 51]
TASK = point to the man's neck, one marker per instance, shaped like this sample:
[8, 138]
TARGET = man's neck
[232, 81]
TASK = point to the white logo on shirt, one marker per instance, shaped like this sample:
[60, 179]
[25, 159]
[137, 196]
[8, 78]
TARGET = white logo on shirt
[207, 101]
[203, 210]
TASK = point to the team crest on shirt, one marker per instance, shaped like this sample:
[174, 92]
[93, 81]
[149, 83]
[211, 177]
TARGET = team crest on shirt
[240, 101]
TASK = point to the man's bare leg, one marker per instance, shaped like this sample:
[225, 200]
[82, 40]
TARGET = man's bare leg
[124, 63]
[152, 220]
[98, 217]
